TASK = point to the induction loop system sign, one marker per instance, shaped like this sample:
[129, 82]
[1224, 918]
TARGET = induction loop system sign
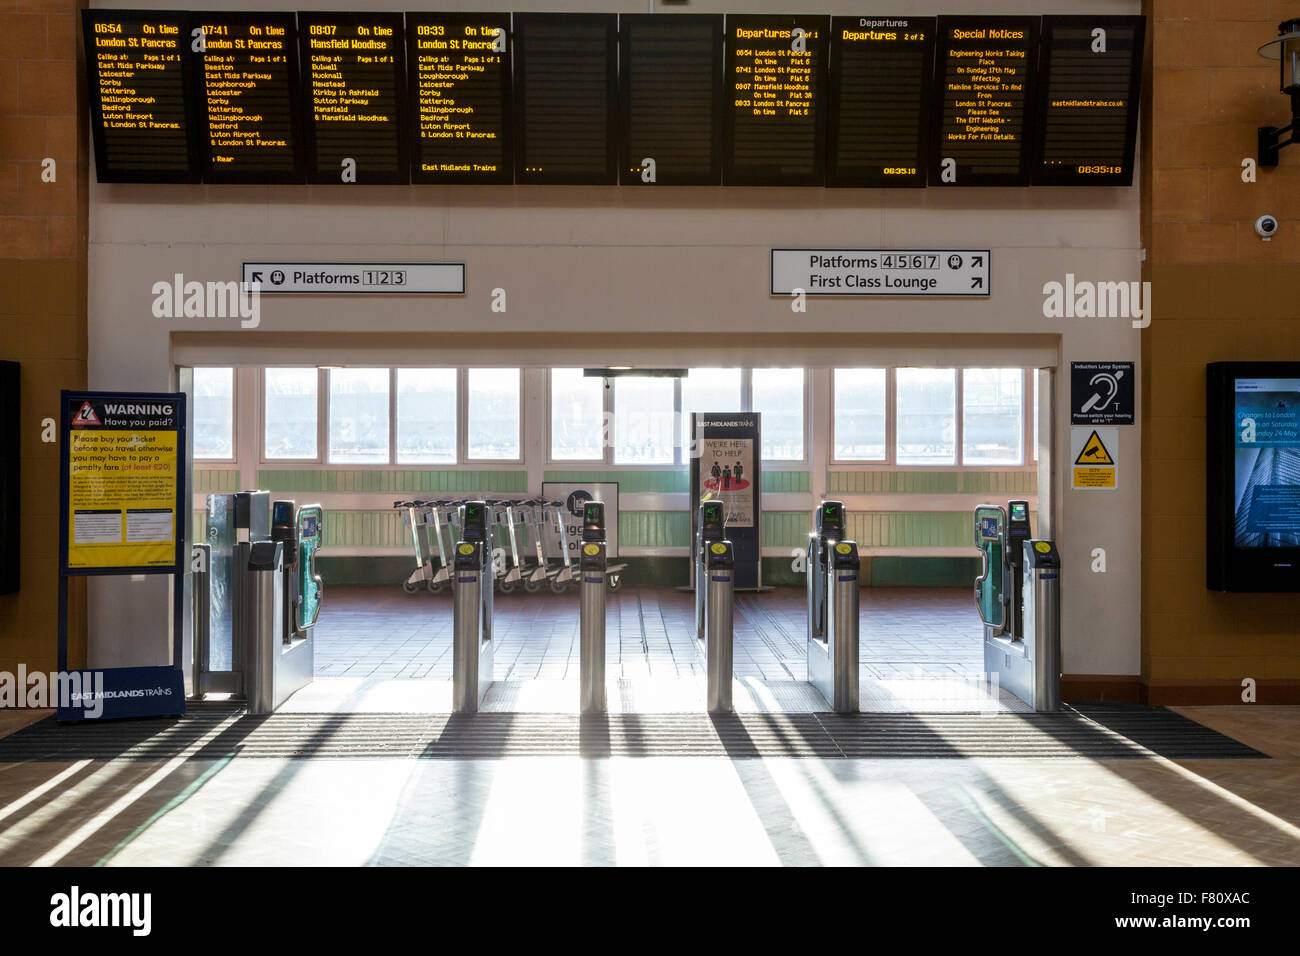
[896, 272]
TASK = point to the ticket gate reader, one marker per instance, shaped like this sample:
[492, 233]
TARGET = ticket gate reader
[719, 583]
[832, 569]
[710, 526]
[234, 521]
[592, 563]
[1017, 596]
[471, 665]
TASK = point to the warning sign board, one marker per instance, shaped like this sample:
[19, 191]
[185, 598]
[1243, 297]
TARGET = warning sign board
[122, 462]
[1094, 454]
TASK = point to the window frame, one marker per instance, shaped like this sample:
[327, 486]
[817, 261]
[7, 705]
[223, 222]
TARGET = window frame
[458, 451]
[234, 418]
[321, 436]
[324, 421]
[890, 428]
[606, 411]
[961, 419]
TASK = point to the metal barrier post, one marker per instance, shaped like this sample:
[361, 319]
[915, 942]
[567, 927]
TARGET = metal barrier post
[201, 591]
[264, 624]
[842, 625]
[1042, 622]
[591, 566]
[719, 579]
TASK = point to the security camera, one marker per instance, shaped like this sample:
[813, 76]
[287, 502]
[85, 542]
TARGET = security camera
[1266, 227]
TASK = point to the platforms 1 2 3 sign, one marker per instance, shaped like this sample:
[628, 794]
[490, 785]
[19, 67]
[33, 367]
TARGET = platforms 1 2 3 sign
[121, 482]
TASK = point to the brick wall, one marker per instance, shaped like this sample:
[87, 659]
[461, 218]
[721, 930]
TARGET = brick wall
[1220, 294]
[42, 293]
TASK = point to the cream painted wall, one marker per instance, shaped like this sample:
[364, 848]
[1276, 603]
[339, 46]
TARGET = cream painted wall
[580, 259]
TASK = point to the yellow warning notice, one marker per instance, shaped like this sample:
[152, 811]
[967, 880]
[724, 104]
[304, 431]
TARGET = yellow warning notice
[1094, 452]
[122, 487]
[1094, 477]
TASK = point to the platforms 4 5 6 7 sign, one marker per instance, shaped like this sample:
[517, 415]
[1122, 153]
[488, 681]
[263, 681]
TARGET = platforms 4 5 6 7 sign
[896, 272]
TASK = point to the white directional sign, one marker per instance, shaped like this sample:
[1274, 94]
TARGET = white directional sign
[881, 271]
[368, 278]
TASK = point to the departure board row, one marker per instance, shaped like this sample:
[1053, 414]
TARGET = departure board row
[632, 99]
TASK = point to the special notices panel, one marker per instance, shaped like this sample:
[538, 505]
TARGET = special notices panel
[775, 130]
[459, 112]
[137, 75]
[247, 80]
[984, 74]
[352, 84]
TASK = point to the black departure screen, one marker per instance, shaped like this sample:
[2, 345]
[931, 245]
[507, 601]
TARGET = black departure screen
[879, 101]
[459, 67]
[247, 85]
[775, 129]
[671, 84]
[1089, 88]
[566, 83]
[352, 91]
[137, 72]
[984, 74]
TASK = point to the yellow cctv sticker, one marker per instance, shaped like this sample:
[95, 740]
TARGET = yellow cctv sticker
[719, 549]
[1042, 547]
[467, 549]
[843, 548]
[591, 549]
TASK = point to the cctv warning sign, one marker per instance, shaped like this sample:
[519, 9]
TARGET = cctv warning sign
[1093, 451]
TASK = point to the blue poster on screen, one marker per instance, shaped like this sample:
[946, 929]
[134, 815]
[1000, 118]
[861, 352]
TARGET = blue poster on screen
[1267, 470]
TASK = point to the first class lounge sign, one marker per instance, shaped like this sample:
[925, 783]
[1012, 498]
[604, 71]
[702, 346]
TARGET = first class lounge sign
[888, 272]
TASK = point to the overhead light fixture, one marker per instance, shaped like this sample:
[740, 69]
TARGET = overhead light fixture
[1286, 50]
[628, 371]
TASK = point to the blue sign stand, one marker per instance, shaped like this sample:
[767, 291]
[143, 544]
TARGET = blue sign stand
[126, 691]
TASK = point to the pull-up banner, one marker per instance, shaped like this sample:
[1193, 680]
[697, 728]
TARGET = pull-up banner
[726, 464]
[121, 501]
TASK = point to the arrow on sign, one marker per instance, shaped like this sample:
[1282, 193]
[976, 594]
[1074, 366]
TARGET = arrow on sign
[977, 260]
[977, 282]
[257, 277]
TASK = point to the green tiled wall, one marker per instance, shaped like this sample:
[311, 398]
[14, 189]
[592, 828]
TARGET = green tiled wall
[654, 529]
[932, 482]
[395, 482]
[211, 480]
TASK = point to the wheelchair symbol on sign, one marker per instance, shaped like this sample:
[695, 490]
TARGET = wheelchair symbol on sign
[277, 277]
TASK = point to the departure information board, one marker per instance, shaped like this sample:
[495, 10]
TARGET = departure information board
[775, 128]
[459, 111]
[984, 74]
[352, 66]
[670, 80]
[247, 81]
[138, 77]
[878, 104]
[566, 88]
[1088, 90]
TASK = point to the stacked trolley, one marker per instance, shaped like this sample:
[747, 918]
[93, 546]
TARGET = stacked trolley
[529, 545]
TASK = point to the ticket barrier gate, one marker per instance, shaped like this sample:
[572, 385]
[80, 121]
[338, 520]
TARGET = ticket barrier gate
[471, 664]
[592, 564]
[832, 569]
[1017, 596]
[255, 606]
[713, 572]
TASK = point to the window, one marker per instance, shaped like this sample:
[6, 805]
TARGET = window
[643, 421]
[707, 390]
[859, 414]
[214, 413]
[426, 416]
[992, 416]
[577, 416]
[358, 432]
[926, 416]
[778, 397]
[289, 422]
[492, 413]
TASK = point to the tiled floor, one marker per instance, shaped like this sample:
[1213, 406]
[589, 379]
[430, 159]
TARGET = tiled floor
[382, 649]
[1018, 811]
